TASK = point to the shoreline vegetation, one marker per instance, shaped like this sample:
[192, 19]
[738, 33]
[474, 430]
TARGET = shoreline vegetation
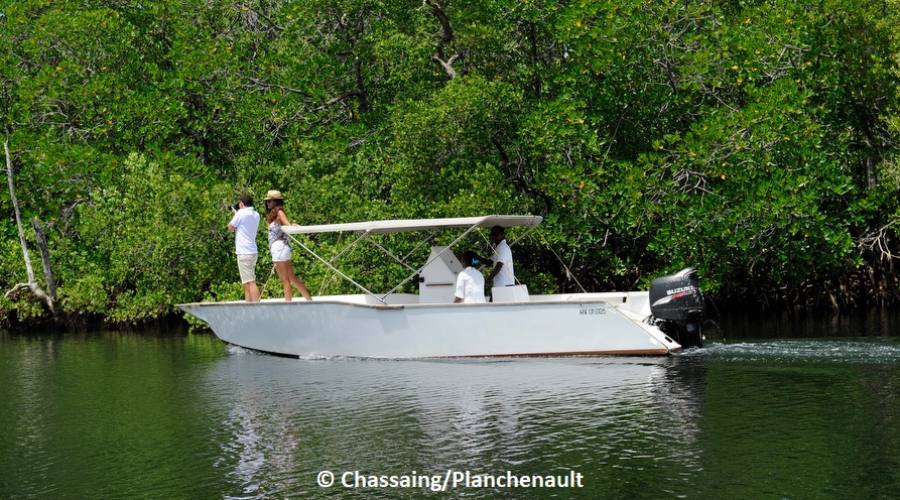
[754, 140]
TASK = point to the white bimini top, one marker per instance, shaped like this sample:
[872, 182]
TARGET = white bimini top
[246, 224]
[506, 276]
[470, 286]
[397, 226]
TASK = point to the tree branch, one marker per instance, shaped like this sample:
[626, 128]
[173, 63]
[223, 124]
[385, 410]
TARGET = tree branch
[519, 180]
[437, 10]
[361, 92]
[45, 261]
[447, 65]
[444, 39]
[264, 85]
[335, 100]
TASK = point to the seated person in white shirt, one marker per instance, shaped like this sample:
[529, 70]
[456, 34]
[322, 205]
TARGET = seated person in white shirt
[469, 282]
[502, 274]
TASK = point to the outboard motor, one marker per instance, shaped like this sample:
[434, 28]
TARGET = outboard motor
[676, 305]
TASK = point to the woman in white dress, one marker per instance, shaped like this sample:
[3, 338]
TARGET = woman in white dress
[280, 247]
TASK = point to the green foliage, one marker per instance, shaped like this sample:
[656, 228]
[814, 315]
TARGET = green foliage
[157, 238]
[755, 140]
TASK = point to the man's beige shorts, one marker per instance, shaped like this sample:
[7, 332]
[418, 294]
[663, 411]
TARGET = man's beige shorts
[247, 267]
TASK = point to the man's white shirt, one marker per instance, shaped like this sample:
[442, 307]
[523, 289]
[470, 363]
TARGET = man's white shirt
[470, 286]
[246, 224]
[506, 276]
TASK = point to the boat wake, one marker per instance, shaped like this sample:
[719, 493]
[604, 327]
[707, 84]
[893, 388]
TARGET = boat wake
[845, 351]
[236, 350]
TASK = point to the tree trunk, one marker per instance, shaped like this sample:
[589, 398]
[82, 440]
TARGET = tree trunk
[32, 284]
[15, 204]
[45, 259]
[871, 175]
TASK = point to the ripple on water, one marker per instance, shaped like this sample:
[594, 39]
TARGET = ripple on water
[830, 350]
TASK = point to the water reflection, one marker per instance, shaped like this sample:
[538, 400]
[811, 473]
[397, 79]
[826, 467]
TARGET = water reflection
[872, 323]
[29, 413]
[384, 417]
[258, 450]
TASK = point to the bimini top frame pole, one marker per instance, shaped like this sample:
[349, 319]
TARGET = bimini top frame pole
[338, 271]
[436, 256]
[394, 226]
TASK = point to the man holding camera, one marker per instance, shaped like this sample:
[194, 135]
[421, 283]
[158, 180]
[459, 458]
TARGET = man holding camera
[244, 225]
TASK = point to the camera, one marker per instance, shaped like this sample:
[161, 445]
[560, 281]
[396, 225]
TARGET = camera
[236, 207]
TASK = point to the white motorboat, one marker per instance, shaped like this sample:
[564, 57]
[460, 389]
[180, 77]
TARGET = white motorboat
[428, 324]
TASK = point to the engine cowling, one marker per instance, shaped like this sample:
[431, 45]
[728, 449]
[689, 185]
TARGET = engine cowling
[677, 306]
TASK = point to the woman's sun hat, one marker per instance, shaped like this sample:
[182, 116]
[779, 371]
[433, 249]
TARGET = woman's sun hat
[273, 194]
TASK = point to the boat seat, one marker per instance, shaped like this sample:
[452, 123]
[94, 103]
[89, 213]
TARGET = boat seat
[516, 293]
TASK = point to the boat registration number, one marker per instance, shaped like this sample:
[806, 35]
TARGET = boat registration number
[592, 310]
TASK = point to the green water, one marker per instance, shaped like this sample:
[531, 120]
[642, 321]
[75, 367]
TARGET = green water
[183, 416]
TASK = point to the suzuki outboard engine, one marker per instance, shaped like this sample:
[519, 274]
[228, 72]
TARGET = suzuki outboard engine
[676, 304]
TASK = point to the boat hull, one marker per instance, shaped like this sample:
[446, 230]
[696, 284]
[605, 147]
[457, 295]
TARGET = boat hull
[334, 328]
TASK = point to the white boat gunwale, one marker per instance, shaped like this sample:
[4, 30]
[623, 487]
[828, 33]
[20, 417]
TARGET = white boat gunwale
[282, 303]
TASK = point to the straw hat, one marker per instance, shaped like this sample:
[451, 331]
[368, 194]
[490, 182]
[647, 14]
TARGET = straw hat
[273, 195]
